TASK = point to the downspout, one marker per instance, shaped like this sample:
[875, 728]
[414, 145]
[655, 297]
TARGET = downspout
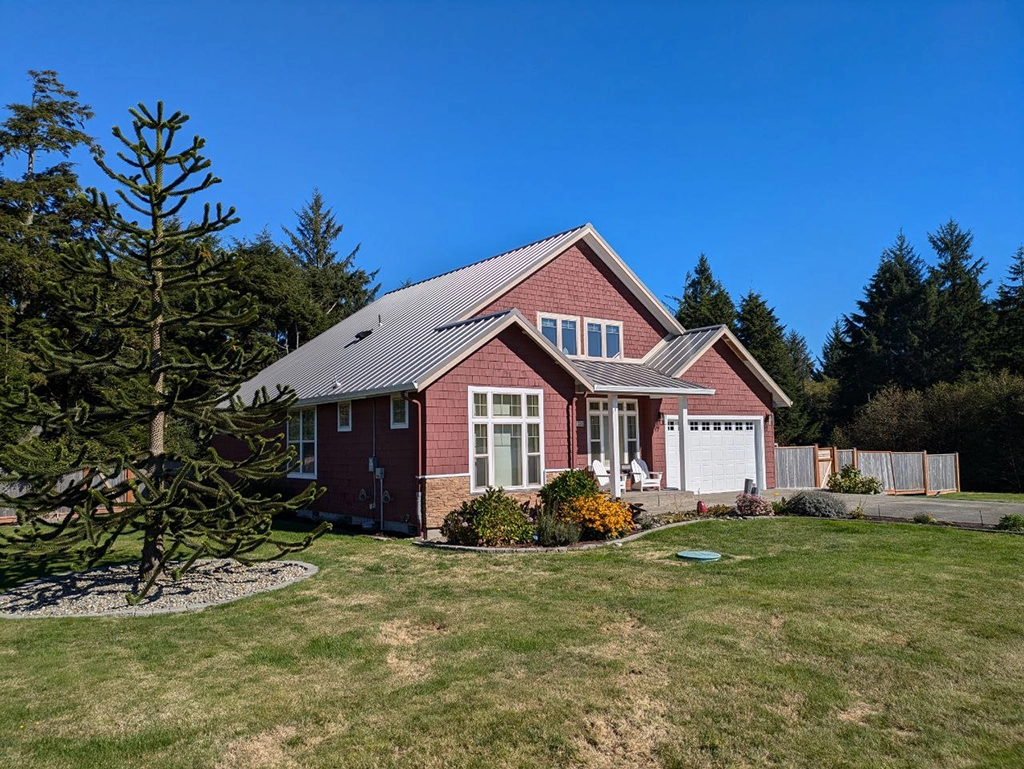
[421, 470]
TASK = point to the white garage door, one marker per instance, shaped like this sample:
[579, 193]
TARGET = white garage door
[720, 454]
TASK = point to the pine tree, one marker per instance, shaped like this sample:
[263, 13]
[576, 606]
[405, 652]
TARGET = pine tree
[41, 208]
[760, 331]
[1008, 352]
[832, 352]
[960, 340]
[142, 278]
[704, 302]
[338, 287]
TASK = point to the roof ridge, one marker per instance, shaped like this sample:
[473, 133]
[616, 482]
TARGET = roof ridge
[704, 328]
[481, 261]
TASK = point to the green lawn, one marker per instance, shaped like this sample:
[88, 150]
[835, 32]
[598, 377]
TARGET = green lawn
[984, 496]
[815, 644]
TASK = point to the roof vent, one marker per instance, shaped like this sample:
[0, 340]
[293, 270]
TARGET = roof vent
[361, 335]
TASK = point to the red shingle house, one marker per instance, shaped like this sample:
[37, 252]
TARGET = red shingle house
[507, 372]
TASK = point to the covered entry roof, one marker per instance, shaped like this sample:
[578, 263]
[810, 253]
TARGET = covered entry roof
[620, 377]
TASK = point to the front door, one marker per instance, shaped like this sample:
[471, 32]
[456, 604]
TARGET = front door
[672, 452]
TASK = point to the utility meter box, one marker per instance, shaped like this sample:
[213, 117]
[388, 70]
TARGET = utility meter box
[373, 464]
[378, 472]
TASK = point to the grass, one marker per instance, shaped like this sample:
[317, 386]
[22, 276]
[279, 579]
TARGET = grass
[812, 644]
[984, 496]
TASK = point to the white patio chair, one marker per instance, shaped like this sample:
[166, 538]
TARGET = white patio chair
[604, 478]
[642, 474]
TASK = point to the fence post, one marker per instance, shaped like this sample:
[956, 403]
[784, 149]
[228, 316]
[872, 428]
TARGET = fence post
[924, 460]
[817, 469]
[856, 460]
[956, 460]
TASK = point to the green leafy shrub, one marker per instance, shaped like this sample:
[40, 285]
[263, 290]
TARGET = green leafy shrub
[494, 519]
[780, 506]
[1012, 522]
[925, 518]
[858, 513]
[719, 511]
[555, 532]
[818, 504]
[599, 516]
[561, 490]
[752, 504]
[850, 480]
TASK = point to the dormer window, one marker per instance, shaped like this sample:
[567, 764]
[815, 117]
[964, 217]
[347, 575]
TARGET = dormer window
[604, 338]
[562, 331]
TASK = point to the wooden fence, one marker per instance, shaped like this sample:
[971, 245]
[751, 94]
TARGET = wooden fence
[900, 472]
[17, 489]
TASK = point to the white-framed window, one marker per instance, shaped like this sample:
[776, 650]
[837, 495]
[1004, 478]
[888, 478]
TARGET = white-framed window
[399, 412]
[599, 431]
[302, 436]
[344, 416]
[506, 437]
[603, 338]
[563, 331]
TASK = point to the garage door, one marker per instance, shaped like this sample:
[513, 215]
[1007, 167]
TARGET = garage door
[720, 454]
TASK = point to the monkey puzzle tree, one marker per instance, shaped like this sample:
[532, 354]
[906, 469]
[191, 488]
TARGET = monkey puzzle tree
[145, 278]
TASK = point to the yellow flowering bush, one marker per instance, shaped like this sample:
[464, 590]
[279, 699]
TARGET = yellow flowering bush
[600, 516]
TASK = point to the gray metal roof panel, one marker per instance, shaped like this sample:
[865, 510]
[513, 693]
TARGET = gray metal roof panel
[406, 340]
[620, 376]
[677, 353]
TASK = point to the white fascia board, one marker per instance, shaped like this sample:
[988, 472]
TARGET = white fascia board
[654, 391]
[514, 318]
[354, 396]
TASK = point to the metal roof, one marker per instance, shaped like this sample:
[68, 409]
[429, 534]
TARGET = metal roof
[611, 376]
[411, 330]
[676, 354]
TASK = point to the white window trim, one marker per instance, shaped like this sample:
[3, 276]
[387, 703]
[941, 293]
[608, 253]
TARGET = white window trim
[585, 351]
[399, 425]
[290, 443]
[557, 317]
[491, 420]
[622, 438]
[345, 428]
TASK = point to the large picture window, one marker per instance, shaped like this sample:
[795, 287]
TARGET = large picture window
[506, 438]
[302, 437]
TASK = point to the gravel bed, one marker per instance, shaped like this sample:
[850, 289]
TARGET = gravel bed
[101, 592]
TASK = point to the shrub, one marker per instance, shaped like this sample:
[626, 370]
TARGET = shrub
[850, 480]
[819, 504]
[752, 504]
[565, 487]
[780, 506]
[858, 513]
[1012, 522]
[719, 511]
[925, 518]
[599, 516]
[493, 519]
[554, 532]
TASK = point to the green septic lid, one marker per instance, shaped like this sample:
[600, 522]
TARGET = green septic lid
[698, 555]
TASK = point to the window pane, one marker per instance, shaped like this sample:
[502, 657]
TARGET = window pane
[308, 418]
[533, 472]
[549, 328]
[508, 453]
[480, 404]
[293, 427]
[344, 414]
[480, 435]
[507, 405]
[594, 340]
[533, 405]
[533, 439]
[480, 477]
[398, 411]
[307, 461]
[612, 336]
[569, 337]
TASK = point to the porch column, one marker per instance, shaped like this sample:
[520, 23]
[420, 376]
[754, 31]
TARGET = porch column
[683, 428]
[616, 462]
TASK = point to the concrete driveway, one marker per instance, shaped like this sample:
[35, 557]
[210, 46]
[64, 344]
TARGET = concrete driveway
[952, 510]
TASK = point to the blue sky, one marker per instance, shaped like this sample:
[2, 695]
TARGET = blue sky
[788, 141]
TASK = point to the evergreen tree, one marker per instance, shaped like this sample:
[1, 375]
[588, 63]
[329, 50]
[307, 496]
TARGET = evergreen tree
[704, 302]
[338, 287]
[1008, 339]
[41, 208]
[960, 341]
[833, 352]
[760, 331]
[139, 280]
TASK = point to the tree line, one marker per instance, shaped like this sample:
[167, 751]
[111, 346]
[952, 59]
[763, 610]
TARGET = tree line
[926, 361]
